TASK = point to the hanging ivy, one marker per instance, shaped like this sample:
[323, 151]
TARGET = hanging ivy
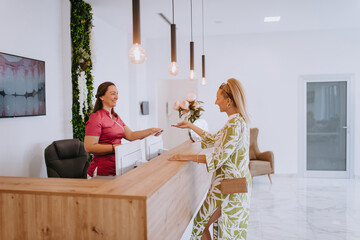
[82, 79]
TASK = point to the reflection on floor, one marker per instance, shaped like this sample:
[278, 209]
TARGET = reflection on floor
[304, 208]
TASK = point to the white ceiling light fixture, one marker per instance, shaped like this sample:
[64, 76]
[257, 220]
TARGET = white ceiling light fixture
[272, 19]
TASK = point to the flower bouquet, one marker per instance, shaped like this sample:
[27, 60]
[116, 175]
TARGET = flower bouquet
[190, 109]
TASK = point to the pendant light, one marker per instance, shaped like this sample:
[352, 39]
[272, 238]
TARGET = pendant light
[192, 75]
[174, 67]
[203, 79]
[136, 53]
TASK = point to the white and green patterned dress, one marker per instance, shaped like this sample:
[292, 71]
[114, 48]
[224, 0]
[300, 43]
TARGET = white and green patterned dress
[230, 159]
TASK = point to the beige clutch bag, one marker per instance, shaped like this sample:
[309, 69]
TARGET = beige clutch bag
[236, 185]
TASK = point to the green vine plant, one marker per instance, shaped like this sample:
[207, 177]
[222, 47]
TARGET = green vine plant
[81, 76]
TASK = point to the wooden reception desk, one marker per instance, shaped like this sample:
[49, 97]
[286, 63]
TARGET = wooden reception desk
[154, 201]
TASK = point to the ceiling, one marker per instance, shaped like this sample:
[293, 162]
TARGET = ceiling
[224, 17]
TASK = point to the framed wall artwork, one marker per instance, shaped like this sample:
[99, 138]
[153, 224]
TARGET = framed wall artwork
[22, 86]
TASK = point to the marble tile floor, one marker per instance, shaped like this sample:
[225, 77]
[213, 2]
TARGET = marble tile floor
[304, 208]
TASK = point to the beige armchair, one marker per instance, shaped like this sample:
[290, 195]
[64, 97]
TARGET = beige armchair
[261, 163]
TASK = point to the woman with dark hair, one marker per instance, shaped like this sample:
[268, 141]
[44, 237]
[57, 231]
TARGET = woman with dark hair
[230, 160]
[105, 129]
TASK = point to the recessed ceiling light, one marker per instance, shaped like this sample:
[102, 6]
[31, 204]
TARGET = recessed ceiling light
[272, 19]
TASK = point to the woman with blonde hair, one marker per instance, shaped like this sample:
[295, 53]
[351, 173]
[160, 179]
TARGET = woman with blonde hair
[230, 160]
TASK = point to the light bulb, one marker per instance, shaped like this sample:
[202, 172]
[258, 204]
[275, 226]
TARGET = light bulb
[137, 54]
[173, 68]
[203, 81]
[192, 75]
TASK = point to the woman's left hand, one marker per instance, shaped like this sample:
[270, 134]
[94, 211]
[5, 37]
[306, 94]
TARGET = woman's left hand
[178, 157]
[183, 124]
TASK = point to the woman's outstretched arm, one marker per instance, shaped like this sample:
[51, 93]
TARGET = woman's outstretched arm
[135, 135]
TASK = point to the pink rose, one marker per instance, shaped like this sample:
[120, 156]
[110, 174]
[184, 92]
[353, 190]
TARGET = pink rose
[176, 105]
[191, 97]
[183, 112]
[196, 105]
[184, 104]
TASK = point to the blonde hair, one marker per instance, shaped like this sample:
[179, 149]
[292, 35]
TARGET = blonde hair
[235, 91]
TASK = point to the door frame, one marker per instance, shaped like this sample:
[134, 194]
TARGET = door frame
[302, 117]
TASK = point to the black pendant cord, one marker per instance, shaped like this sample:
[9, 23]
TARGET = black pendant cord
[173, 12]
[191, 18]
[203, 44]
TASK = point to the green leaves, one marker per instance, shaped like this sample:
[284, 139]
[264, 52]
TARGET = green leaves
[80, 28]
[193, 112]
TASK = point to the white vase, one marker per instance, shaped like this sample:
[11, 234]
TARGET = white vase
[190, 135]
[200, 123]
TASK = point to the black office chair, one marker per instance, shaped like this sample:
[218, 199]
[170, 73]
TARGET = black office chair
[66, 159]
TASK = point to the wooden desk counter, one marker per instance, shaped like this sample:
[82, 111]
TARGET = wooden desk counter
[154, 201]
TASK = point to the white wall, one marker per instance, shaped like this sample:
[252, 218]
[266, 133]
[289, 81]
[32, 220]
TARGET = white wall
[109, 64]
[269, 66]
[35, 29]
[110, 45]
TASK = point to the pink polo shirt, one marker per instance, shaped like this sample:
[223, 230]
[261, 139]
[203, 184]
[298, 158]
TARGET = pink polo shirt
[100, 124]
